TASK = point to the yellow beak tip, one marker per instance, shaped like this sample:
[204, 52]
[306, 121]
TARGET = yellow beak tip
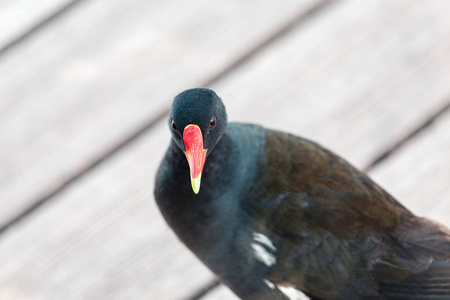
[196, 183]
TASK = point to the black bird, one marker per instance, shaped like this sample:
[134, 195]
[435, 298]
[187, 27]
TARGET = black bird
[278, 215]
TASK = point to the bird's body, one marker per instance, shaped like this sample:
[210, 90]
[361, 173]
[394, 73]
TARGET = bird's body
[278, 214]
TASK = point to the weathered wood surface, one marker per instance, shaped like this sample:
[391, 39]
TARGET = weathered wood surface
[103, 238]
[19, 16]
[81, 86]
[372, 70]
[357, 78]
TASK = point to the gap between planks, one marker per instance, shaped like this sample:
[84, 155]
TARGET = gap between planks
[39, 25]
[428, 122]
[301, 18]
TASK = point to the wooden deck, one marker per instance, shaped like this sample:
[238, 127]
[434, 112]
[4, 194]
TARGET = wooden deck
[85, 86]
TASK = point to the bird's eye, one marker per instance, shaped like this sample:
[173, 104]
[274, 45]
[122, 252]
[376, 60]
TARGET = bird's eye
[213, 122]
[174, 127]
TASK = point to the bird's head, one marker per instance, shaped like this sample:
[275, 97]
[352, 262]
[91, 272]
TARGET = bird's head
[197, 121]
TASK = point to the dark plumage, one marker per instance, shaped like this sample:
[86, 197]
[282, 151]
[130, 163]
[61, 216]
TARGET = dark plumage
[277, 213]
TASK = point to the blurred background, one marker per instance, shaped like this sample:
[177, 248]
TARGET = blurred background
[85, 87]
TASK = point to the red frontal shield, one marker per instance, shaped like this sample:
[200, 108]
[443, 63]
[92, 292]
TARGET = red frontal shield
[195, 154]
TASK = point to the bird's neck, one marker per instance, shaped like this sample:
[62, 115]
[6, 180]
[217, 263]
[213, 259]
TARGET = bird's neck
[209, 219]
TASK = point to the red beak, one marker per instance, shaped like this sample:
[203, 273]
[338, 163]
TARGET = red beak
[195, 154]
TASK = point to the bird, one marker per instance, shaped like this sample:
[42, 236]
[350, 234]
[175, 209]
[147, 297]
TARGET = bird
[276, 216]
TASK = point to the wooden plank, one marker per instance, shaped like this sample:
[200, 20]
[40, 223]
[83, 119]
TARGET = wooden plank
[19, 16]
[375, 69]
[419, 174]
[104, 238]
[84, 84]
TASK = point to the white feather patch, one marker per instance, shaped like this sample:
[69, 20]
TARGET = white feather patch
[262, 239]
[269, 284]
[292, 293]
[261, 249]
[263, 255]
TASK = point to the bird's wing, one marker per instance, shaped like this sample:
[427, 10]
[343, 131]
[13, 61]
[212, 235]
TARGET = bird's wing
[337, 233]
[351, 262]
[321, 260]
